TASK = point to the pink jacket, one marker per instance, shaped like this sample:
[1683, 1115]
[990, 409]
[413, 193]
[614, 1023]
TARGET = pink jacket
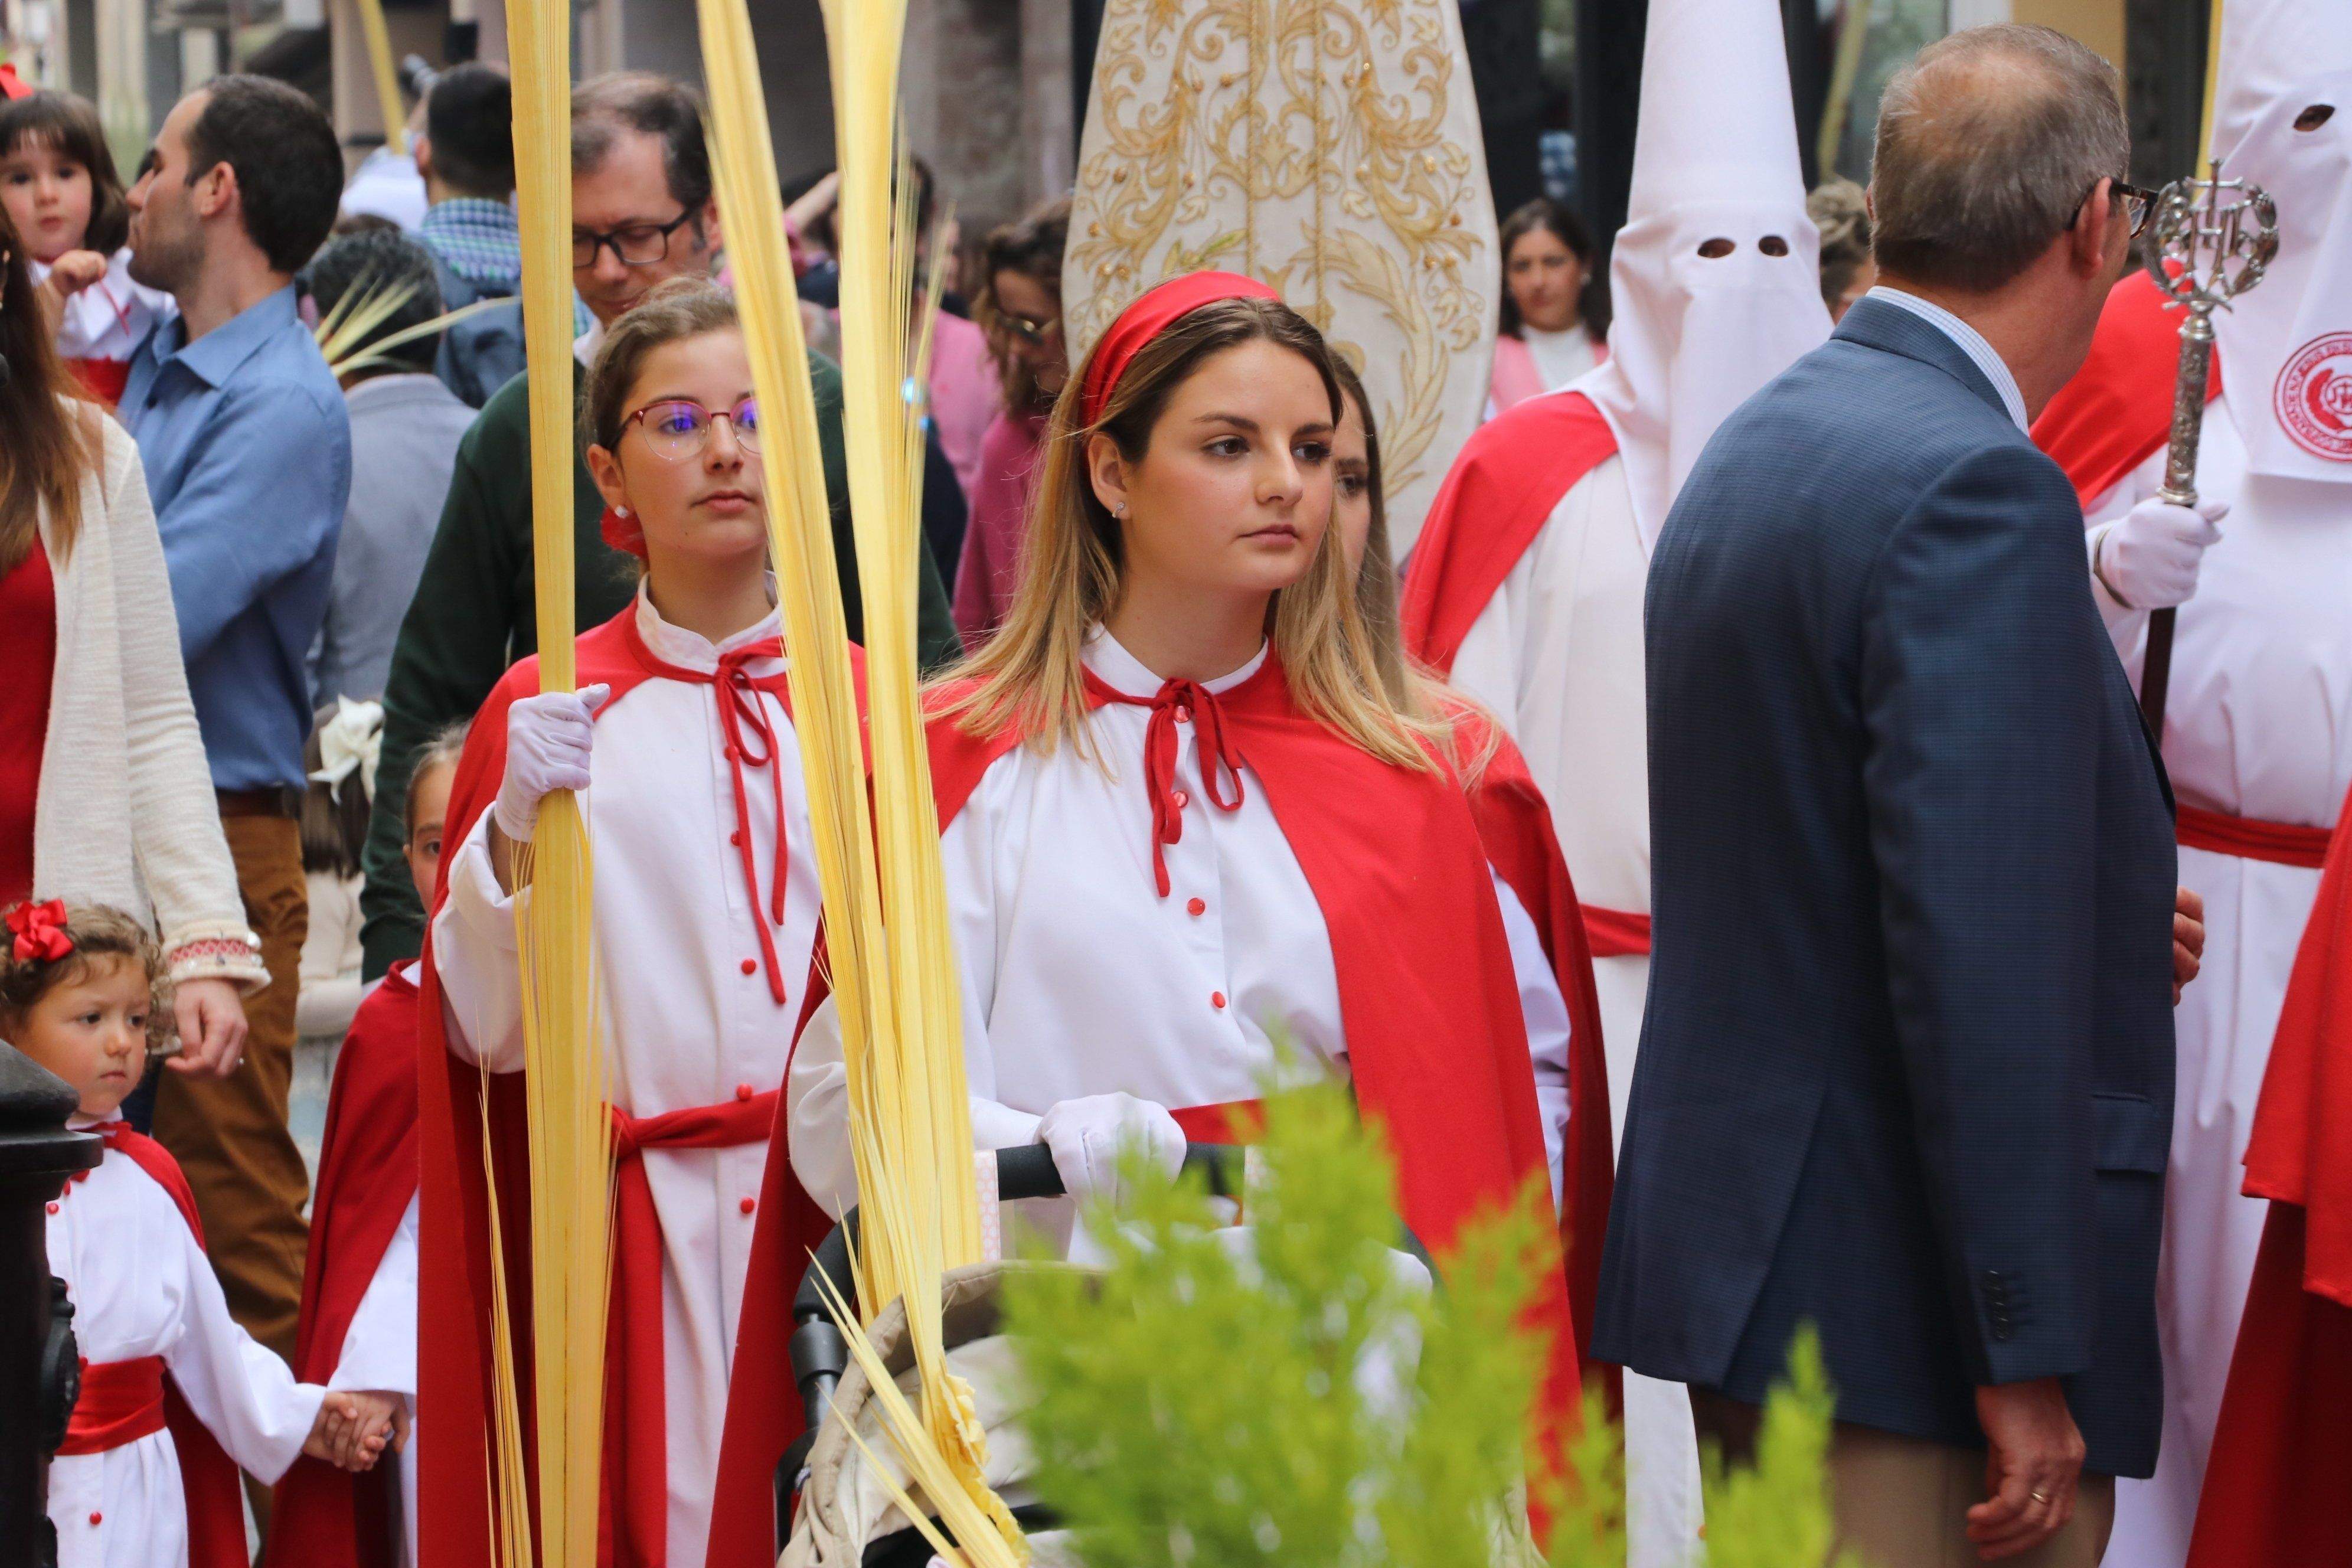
[1005, 478]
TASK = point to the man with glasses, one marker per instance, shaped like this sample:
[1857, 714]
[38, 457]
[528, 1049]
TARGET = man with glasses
[1907, 1072]
[643, 212]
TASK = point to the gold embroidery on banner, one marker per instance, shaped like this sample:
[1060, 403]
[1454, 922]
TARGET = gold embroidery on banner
[1213, 105]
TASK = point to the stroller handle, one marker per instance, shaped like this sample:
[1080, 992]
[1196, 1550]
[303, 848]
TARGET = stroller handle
[1023, 1172]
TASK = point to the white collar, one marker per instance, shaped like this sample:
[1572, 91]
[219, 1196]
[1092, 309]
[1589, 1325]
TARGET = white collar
[1971, 344]
[1131, 677]
[584, 346]
[692, 650]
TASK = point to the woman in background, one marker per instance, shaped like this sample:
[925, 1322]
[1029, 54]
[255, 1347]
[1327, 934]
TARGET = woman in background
[1840, 211]
[104, 793]
[1545, 341]
[1021, 308]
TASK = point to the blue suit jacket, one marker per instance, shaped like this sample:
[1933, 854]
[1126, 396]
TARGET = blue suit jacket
[1907, 1070]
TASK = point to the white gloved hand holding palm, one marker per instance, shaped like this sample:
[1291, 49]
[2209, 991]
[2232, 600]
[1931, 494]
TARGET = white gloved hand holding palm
[1087, 1136]
[549, 740]
[2149, 557]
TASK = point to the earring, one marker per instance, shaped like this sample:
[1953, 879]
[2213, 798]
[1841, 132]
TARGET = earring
[620, 511]
[1120, 511]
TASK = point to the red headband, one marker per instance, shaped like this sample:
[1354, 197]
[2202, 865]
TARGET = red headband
[1153, 313]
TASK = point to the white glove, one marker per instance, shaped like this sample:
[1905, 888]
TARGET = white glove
[1089, 1135]
[2150, 556]
[548, 742]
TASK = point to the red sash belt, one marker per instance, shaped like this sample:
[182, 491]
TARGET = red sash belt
[2281, 843]
[1239, 1122]
[637, 1463]
[121, 1402]
[1616, 933]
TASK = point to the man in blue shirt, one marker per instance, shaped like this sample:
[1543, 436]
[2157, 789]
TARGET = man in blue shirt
[248, 450]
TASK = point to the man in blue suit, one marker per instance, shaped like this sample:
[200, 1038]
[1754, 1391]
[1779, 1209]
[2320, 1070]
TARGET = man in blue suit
[1907, 1069]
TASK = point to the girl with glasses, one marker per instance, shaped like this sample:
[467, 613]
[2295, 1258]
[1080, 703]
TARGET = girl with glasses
[681, 743]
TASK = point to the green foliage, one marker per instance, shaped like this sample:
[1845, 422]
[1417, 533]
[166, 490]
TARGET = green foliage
[1309, 1403]
[1777, 1514]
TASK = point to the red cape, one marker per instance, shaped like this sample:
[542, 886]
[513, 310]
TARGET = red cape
[1427, 996]
[208, 1475]
[2283, 1449]
[1511, 473]
[1515, 824]
[2117, 411]
[367, 1173]
[454, 1359]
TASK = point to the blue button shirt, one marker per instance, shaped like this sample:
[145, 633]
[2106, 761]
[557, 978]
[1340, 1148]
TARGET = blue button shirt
[248, 447]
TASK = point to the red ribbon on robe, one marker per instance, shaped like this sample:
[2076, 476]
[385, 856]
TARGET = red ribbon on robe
[1178, 701]
[752, 744]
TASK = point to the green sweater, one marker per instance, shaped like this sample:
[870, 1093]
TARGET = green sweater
[473, 614]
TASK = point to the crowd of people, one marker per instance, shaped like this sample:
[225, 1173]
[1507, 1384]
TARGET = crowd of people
[1737, 809]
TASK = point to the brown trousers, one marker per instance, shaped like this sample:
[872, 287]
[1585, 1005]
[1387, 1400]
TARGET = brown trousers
[229, 1133]
[1902, 1502]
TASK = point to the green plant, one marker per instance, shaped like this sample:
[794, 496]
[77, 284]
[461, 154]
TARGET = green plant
[1308, 1402]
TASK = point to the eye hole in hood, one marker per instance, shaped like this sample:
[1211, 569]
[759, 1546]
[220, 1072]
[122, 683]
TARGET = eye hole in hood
[1773, 245]
[2317, 115]
[1717, 248]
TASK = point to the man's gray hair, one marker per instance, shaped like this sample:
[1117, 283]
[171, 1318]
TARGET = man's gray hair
[1989, 141]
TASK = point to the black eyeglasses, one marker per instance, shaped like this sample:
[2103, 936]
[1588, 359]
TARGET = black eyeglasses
[638, 243]
[2139, 202]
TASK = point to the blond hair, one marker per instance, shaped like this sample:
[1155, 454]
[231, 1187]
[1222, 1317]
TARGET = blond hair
[1030, 675]
[98, 930]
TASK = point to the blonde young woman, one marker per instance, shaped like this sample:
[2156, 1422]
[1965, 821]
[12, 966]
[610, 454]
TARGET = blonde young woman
[1182, 816]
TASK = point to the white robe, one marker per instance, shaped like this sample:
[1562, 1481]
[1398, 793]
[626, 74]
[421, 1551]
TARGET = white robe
[1080, 979]
[2258, 724]
[689, 1018]
[140, 1286]
[379, 1354]
[1557, 655]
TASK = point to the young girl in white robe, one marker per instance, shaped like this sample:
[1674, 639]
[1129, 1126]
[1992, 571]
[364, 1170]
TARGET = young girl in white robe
[681, 744]
[175, 1397]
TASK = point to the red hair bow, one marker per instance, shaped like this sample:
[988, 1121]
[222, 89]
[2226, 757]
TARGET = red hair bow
[12, 85]
[40, 930]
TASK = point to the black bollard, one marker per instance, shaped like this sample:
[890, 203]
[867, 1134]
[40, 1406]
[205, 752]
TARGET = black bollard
[38, 1371]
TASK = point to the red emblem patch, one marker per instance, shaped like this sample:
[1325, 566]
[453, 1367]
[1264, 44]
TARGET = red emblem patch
[2314, 397]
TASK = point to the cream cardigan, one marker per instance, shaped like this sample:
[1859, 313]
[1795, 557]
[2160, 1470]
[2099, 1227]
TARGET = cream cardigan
[126, 813]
